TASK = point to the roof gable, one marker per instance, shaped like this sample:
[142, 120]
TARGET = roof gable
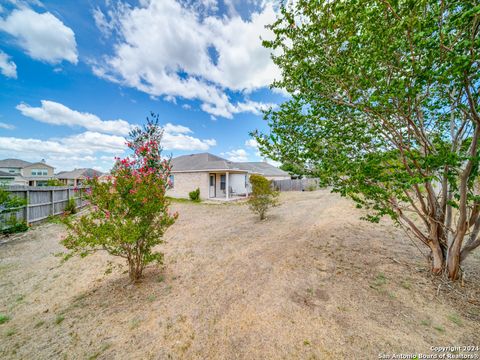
[14, 163]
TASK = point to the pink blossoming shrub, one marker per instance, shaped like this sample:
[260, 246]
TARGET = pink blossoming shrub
[130, 212]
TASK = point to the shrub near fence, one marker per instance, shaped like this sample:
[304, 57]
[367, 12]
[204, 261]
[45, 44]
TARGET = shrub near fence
[43, 201]
[306, 184]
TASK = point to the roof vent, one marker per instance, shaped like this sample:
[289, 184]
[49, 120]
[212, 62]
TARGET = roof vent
[43, 161]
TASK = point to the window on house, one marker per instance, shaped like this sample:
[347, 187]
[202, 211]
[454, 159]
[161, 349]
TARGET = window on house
[12, 171]
[222, 182]
[172, 181]
[39, 172]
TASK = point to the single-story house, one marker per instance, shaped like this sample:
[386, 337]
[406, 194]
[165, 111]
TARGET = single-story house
[77, 176]
[25, 173]
[217, 178]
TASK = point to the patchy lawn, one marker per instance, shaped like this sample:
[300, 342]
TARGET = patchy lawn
[312, 281]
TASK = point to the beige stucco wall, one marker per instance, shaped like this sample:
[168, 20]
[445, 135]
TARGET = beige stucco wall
[186, 182]
[27, 170]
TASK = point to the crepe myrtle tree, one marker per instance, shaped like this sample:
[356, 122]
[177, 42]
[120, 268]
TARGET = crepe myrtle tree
[385, 108]
[129, 212]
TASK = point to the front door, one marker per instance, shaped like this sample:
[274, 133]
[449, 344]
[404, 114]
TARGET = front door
[212, 185]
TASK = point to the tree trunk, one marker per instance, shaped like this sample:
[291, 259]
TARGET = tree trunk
[453, 261]
[437, 257]
[134, 271]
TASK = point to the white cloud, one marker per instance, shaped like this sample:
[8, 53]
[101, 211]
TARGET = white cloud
[252, 143]
[58, 114]
[239, 155]
[7, 67]
[176, 129]
[6, 126]
[81, 150]
[175, 138]
[43, 36]
[166, 49]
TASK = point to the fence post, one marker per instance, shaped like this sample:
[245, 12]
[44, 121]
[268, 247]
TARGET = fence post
[27, 209]
[53, 203]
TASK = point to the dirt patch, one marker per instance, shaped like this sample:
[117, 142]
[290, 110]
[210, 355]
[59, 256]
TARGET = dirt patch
[312, 281]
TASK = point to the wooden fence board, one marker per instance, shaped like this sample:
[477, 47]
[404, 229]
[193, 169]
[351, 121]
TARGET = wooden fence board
[296, 184]
[43, 201]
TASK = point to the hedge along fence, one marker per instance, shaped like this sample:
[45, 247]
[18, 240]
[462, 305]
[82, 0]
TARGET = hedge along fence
[296, 184]
[42, 202]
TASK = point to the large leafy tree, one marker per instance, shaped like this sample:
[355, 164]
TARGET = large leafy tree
[385, 107]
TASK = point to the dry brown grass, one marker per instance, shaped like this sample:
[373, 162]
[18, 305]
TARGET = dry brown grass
[311, 282]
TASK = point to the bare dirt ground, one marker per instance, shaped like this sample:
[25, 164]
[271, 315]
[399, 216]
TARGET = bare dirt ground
[313, 281]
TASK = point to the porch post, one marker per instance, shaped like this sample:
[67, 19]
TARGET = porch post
[227, 187]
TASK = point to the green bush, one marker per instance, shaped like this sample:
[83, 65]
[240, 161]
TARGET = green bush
[71, 207]
[263, 196]
[54, 182]
[14, 226]
[195, 195]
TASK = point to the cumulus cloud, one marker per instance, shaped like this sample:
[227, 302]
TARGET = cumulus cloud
[43, 36]
[6, 126]
[175, 138]
[7, 67]
[168, 48]
[238, 155]
[54, 113]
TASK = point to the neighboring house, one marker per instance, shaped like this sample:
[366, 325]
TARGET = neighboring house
[11, 179]
[25, 173]
[76, 177]
[217, 178]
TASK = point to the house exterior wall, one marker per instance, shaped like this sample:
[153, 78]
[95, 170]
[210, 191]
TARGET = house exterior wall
[11, 170]
[14, 180]
[183, 183]
[27, 170]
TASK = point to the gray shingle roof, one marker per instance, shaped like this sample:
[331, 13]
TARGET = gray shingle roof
[14, 163]
[263, 168]
[78, 173]
[206, 161]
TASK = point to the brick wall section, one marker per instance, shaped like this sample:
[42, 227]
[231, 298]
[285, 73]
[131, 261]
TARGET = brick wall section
[186, 182]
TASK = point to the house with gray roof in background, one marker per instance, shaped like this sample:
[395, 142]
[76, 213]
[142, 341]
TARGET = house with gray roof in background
[76, 177]
[20, 172]
[216, 177]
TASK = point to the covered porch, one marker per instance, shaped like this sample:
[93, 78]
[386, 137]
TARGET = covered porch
[228, 185]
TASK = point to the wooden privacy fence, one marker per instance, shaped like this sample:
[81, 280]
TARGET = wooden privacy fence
[43, 201]
[296, 184]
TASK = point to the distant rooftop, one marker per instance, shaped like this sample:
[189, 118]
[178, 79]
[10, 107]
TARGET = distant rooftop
[20, 164]
[78, 173]
[207, 161]
[14, 163]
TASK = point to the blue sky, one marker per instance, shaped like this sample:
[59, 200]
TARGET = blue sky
[75, 76]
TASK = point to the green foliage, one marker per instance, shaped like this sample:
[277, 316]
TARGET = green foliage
[9, 204]
[71, 207]
[293, 168]
[195, 195]
[54, 182]
[385, 109]
[13, 226]
[129, 212]
[4, 318]
[263, 196]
